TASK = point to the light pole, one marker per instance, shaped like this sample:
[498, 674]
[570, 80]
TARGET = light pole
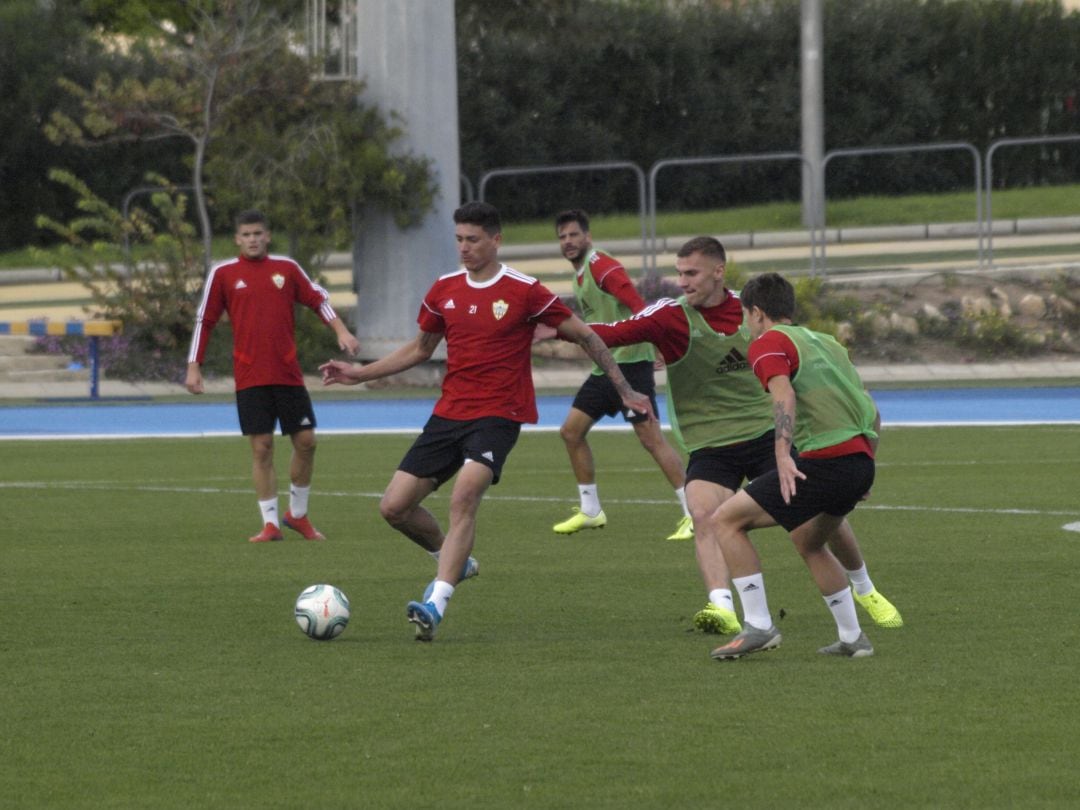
[813, 113]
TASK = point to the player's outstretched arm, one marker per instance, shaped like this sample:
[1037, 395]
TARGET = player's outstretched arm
[574, 329]
[339, 372]
[416, 351]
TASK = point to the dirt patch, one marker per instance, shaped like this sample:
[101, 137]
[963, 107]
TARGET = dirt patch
[957, 318]
[946, 317]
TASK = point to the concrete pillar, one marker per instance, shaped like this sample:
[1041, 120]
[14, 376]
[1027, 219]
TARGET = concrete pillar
[406, 55]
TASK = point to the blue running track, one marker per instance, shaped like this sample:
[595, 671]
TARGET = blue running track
[954, 406]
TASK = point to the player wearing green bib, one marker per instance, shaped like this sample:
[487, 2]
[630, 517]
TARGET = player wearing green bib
[605, 294]
[820, 406]
[722, 417]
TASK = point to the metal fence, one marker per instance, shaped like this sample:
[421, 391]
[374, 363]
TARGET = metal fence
[900, 150]
[730, 159]
[1004, 142]
[815, 237]
[618, 165]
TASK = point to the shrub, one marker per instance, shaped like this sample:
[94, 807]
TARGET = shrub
[654, 286]
[991, 334]
[143, 270]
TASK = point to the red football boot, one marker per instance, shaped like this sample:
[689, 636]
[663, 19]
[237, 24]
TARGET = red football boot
[269, 532]
[302, 525]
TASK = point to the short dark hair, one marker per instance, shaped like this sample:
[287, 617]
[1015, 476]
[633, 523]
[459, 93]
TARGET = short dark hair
[772, 294]
[572, 215]
[479, 213]
[252, 216]
[706, 245]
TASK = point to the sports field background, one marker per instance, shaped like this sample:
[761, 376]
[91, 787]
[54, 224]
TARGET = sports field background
[149, 657]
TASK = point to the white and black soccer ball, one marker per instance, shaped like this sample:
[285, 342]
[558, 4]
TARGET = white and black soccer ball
[322, 611]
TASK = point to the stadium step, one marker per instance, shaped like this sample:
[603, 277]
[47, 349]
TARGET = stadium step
[19, 364]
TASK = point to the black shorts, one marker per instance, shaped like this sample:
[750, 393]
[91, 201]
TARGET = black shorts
[729, 466]
[445, 444]
[263, 406]
[598, 398]
[833, 486]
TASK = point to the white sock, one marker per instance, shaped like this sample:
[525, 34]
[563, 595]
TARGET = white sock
[680, 493]
[269, 511]
[755, 606]
[721, 597]
[842, 606]
[860, 580]
[298, 498]
[590, 500]
[440, 595]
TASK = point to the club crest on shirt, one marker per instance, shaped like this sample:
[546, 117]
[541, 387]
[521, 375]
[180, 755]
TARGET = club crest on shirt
[278, 279]
[499, 308]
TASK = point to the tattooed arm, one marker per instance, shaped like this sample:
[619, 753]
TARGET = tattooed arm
[783, 398]
[576, 330]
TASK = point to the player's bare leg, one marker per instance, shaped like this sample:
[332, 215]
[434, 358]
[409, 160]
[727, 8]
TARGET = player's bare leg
[718, 615]
[469, 487]
[670, 462]
[262, 465]
[302, 464]
[667, 458]
[731, 522]
[262, 474]
[846, 548]
[811, 540]
[401, 508]
[588, 514]
[574, 431]
[301, 467]
[704, 498]
[472, 481]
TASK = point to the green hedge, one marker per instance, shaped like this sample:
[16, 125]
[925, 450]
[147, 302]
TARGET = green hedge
[603, 80]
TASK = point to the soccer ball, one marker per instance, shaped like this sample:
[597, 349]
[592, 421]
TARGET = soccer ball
[322, 611]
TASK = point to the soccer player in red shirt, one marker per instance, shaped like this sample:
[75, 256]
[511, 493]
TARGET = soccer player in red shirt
[258, 291]
[821, 407]
[606, 294]
[722, 417]
[487, 313]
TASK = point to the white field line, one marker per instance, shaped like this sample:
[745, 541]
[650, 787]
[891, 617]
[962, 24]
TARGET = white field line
[119, 486]
[413, 431]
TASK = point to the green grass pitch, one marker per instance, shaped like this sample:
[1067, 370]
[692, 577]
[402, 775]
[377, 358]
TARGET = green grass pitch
[149, 658]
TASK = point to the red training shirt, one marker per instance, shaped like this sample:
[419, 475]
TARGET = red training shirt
[664, 325]
[611, 277]
[258, 295]
[489, 328]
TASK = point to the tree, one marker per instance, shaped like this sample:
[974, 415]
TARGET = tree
[142, 269]
[266, 135]
[314, 160]
[197, 77]
[142, 17]
[39, 42]
[227, 81]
